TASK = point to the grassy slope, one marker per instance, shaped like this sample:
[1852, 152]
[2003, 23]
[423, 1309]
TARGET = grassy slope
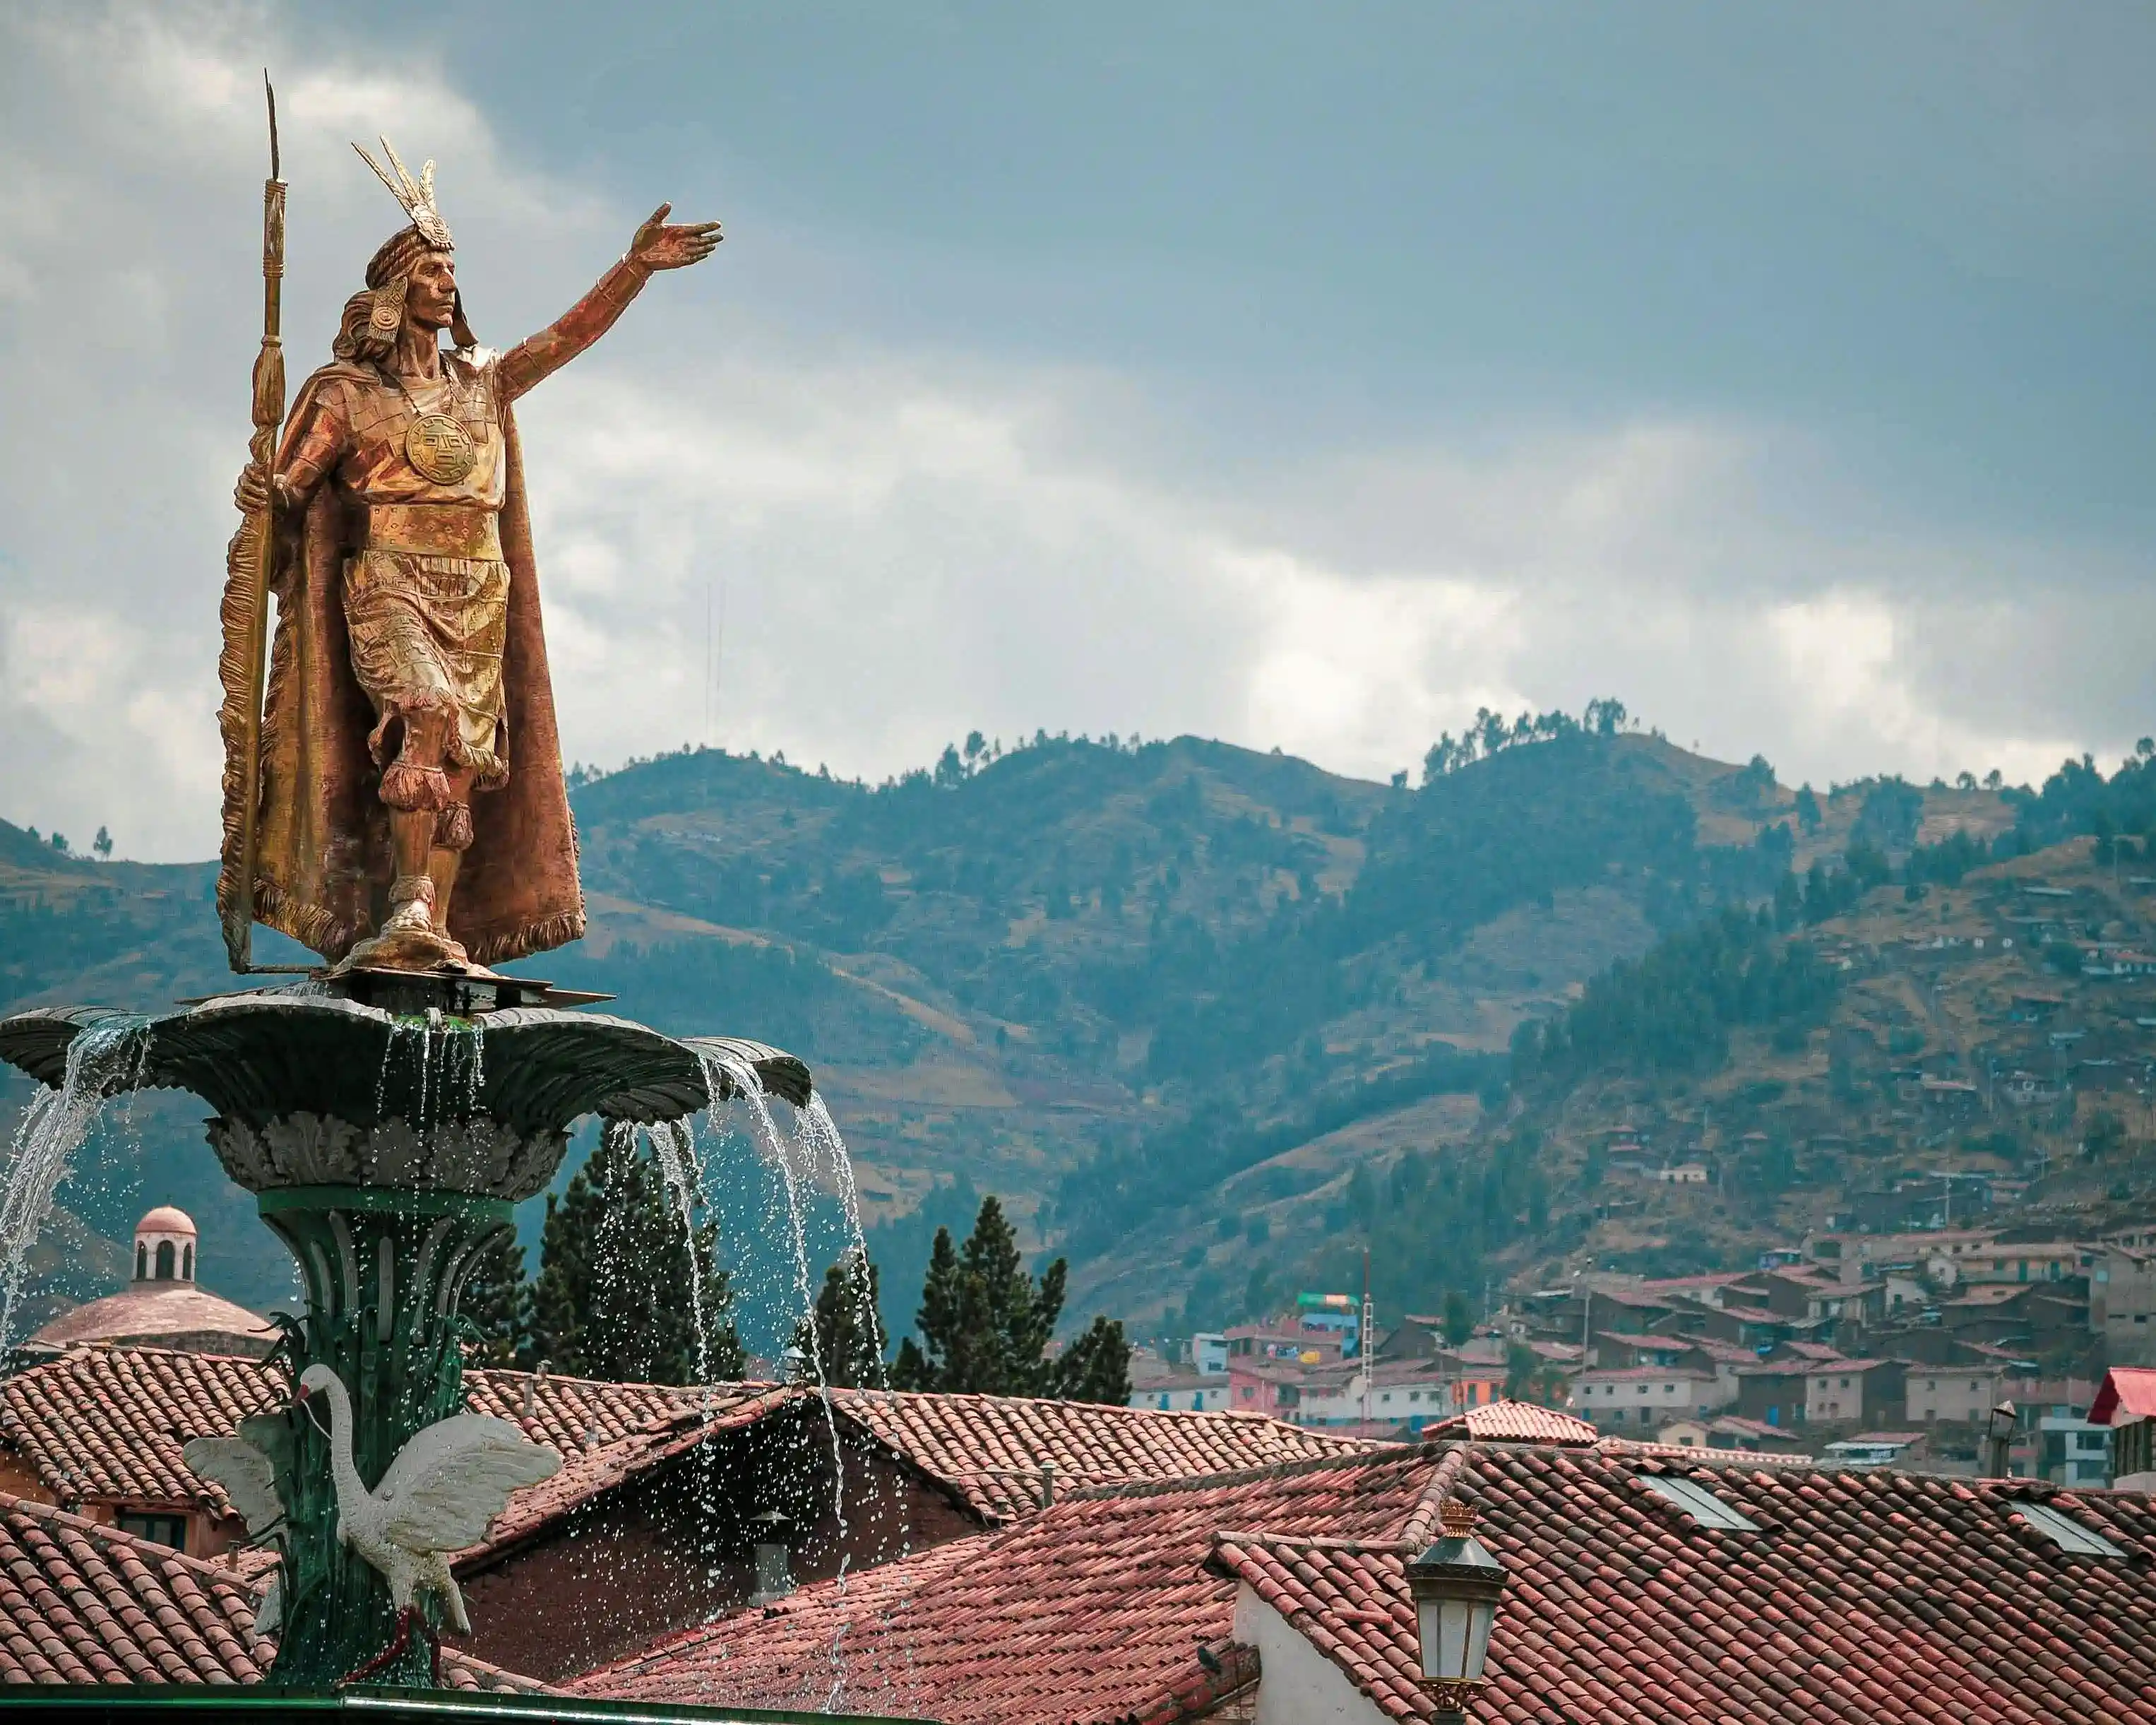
[1059, 961]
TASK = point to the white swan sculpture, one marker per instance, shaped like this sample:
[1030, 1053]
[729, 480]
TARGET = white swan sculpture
[446, 1484]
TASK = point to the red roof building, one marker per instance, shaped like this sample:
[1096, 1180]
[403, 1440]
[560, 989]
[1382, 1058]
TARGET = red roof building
[163, 1305]
[646, 1526]
[82, 1602]
[1644, 1588]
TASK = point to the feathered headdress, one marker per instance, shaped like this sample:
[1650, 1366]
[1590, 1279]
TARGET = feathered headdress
[388, 273]
[417, 198]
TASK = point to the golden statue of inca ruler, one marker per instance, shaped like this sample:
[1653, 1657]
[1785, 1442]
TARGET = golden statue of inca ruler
[391, 828]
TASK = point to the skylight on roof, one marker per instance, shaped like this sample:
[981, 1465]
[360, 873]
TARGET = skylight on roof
[2066, 1533]
[1700, 1503]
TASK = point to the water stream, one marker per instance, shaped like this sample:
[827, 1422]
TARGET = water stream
[110, 1055]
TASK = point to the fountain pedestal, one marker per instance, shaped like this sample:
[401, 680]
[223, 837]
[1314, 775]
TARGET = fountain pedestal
[386, 1148]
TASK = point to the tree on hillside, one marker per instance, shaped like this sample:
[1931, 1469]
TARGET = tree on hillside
[1456, 1320]
[496, 1302]
[846, 1328]
[617, 1267]
[985, 1324]
[1095, 1367]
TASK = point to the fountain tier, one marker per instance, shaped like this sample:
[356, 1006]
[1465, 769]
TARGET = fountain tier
[387, 1151]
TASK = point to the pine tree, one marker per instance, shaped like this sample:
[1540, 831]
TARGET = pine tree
[497, 1303]
[1095, 1367]
[846, 1327]
[985, 1324]
[613, 1299]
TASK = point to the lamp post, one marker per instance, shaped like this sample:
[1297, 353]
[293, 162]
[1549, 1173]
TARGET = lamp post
[1456, 1584]
[1998, 1441]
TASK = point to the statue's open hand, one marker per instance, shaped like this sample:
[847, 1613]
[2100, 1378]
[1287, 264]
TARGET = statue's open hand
[660, 246]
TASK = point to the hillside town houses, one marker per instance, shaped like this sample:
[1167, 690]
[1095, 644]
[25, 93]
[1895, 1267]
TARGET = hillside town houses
[1015, 1561]
[1845, 1337]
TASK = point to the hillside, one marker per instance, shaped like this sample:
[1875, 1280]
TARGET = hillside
[1188, 1006]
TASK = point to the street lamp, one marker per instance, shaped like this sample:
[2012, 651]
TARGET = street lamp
[1456, 1584]
[1998, 1441]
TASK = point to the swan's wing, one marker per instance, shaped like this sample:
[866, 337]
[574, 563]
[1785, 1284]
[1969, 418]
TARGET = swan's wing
[246, 1474]
[453, 1477]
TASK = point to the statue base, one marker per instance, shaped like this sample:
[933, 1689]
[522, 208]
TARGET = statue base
[409, 949]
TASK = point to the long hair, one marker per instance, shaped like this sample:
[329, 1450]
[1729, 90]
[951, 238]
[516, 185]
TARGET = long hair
[356, 340]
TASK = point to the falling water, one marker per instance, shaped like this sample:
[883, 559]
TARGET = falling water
[397, 1030]
[673, 1146]
[724, 1071]
[820, 1135]
[474, 1044]
[110, 1056]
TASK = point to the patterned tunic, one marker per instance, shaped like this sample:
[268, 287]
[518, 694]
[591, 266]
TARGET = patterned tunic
[426, 591]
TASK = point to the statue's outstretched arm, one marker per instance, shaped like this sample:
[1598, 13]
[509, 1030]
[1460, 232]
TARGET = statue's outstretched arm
[657, 246]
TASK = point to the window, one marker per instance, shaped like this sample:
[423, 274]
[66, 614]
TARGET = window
[159, 1530]
[2066, 1533]
[164, 1260]
[1700, 1503]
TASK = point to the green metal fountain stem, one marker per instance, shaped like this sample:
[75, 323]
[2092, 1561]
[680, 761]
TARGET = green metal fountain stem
[383, 1270]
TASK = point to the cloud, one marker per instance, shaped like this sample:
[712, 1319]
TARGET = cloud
[885, 545]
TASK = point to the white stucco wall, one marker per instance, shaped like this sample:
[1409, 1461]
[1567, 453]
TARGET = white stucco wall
[1297, 1684]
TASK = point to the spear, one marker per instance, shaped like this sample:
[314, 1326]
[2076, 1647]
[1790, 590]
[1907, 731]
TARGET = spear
[245, 611]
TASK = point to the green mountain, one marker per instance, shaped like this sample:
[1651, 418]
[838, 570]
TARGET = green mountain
[1210, 1020]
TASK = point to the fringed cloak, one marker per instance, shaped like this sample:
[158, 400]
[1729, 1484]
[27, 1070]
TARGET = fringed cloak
[323, 864]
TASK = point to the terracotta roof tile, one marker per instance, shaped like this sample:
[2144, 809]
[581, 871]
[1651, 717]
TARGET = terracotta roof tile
[106, 1424]
[1093, 1610]
[83, 1602]
[2127, 1389]
[995, 1449]
[1892, 1597]
[1517, 1422]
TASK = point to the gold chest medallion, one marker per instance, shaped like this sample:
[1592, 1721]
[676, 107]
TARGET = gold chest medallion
[440, 448]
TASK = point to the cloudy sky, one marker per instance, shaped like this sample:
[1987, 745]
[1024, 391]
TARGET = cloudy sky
[1301, 376]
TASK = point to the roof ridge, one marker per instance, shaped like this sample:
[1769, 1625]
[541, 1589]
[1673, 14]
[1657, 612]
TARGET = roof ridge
[1311, 1541]
[1245, 1416]
[1421, 1523]
[1242, 1475]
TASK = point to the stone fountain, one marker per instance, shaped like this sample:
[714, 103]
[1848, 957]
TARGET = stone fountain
[386, 1142]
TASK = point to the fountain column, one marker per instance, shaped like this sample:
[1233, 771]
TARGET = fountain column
[386, 1148]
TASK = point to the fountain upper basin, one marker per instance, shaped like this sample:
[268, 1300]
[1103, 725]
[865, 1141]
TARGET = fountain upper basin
[312, 1087]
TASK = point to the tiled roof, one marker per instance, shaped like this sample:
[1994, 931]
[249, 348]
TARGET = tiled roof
[1094, 1610]
[2130, 1390]
[1517, 1422]
[994, 1449]
[1728, 1353]
[1880, 1595]
[80, 1603]
[106, 1423]
[149, 1309]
